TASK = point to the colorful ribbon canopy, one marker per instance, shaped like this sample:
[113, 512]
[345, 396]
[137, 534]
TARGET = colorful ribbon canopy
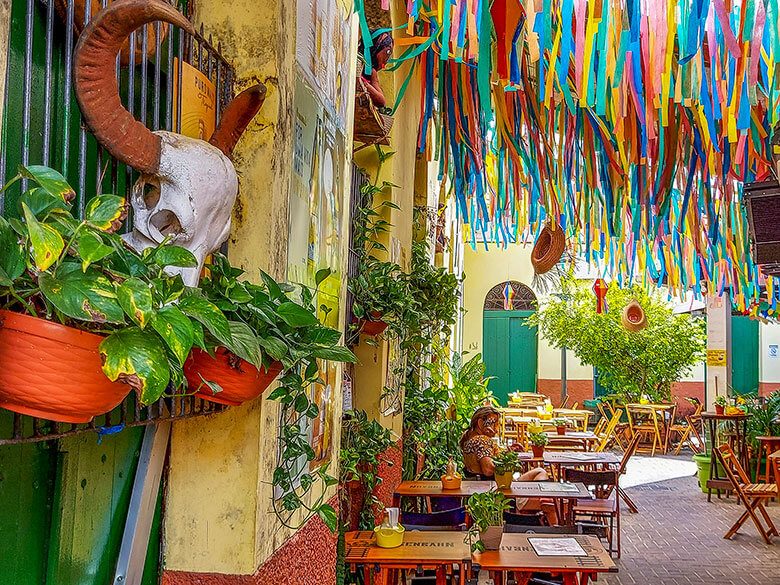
[632, 123]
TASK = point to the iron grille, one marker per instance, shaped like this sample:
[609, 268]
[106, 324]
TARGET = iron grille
[42, 124]
[359, 179]
[522, 299]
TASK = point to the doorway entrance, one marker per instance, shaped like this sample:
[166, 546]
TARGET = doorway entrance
[510, 344]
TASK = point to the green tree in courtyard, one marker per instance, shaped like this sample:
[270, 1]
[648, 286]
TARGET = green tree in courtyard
[630, 364]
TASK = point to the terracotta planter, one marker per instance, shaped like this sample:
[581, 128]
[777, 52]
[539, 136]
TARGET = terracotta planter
[52, 371]
[538, 450]
[239, 385]
[719, 409]
[491, 537]
[504, 480]
[374, 326]
[561, 430]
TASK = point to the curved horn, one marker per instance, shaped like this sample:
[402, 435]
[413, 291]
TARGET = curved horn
[236, 118]
[94, 79]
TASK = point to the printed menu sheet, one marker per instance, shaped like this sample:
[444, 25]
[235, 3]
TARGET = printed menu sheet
[557, 547]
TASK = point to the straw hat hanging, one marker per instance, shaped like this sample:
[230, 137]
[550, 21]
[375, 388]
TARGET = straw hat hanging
[634, 317]
[546, 254]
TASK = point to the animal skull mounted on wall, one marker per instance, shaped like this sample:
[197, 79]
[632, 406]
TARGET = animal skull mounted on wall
[187, 187]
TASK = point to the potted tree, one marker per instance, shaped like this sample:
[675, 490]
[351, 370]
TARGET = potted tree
[720, 404]
[538, 441]
[560, 425]
[486, 511]
[76, 300]
[506, 463]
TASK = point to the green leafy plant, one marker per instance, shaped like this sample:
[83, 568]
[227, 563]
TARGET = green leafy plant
[364, 447]
[538, 439]
[559, 422]
[506, 462]
[78, 272]
[630, 364]
[278, 322]
[720, 400]
[485, 509]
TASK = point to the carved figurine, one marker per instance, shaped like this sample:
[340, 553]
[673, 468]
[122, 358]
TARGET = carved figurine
[188, 186]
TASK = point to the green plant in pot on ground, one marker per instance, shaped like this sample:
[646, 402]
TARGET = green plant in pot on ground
[631, 364]
[80, 274]
[486, 511]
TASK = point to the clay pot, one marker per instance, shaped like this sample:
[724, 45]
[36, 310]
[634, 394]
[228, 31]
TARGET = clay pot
[561, 430]
[375, 326]
[538, 450]
[548, 249]
[239, 384]
[633, 317]
[78, 25]
[491, 537]
[719, 409]
[52, 371]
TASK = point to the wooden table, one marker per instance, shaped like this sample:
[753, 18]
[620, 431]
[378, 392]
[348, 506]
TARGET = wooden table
[769, 445]
[660, 414]
[576, 414]
[519, 489]
[586, 438]
[558, 459]
[740, 448]
[420, 550]
[517, 556]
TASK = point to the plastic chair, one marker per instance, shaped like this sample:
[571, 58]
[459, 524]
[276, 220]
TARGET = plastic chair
[752, 495]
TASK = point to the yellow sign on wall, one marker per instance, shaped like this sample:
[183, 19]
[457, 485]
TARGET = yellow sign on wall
[716, 357]
[198, 102]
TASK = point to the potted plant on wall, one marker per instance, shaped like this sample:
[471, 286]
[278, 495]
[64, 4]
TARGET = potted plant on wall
[270, 332]
[486, 511]
[76, 300]
[560, 425]
[506, 463]
[538, 441]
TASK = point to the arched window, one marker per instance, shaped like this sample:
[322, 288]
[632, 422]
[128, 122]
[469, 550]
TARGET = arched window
[510, 296]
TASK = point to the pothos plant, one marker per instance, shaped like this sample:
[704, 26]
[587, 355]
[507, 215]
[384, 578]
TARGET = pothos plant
[278, 322]
[80, 273]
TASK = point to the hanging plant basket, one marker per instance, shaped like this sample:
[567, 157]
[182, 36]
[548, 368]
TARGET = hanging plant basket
[374, 326]
[240, 380]
[52, 371]
[548, 249]
[633, 317]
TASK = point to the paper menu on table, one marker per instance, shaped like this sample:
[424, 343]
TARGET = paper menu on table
[554, 486]
[557, 547]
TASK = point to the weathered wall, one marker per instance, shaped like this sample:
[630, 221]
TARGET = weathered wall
[219, 519]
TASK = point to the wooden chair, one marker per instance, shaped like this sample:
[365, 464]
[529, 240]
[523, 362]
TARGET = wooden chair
[621, 470]
[752, 495]
[611, 432]
[688, 430]
[645, 424]
[606, 506]
[564, 402]
[608, 412]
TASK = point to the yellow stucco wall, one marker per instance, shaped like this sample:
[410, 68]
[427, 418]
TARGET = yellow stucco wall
[219, 515]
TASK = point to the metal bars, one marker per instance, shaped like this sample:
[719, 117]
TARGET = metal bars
[42, 125]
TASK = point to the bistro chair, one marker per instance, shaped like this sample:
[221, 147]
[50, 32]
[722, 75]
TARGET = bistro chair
[621, 470]
[752, 495]
[608, 435]
[688, 430]
[604, 510]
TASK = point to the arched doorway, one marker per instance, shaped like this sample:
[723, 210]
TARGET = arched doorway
[510, 346]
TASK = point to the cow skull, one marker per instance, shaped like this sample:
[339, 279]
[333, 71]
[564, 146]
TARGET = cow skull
[188, 187]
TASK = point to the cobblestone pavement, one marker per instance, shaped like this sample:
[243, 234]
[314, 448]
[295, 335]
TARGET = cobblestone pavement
[677, 538]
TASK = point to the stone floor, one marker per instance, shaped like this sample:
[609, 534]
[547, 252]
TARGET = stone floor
[677, 537]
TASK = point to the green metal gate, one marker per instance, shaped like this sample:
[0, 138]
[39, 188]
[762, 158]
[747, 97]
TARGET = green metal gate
[510, 352]
[744, 354]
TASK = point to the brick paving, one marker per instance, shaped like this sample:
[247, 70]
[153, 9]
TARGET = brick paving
[677, 539]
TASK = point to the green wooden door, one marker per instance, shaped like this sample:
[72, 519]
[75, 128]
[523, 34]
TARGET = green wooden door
[64, 505]
[510, 352]
[744, 354]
